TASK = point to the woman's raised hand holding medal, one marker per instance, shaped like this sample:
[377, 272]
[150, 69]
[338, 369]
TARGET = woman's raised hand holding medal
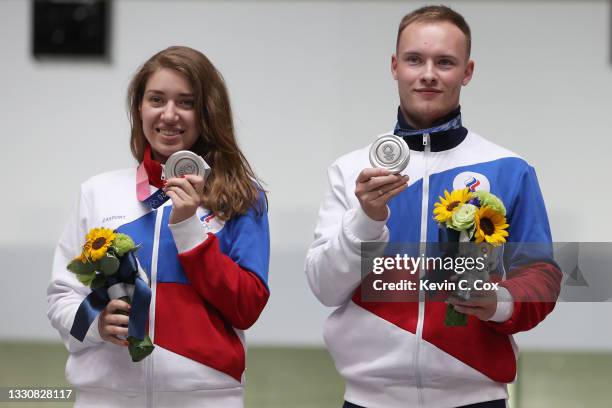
[186, 174]
[185, 192]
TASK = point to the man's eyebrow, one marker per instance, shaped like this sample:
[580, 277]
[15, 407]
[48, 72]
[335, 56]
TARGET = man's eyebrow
[410, 52]
[418, 54]
[447, 56]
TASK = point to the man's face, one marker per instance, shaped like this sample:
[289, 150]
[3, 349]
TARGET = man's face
[430, 67]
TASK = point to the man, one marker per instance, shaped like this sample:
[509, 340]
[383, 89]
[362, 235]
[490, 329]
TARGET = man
[401, 354]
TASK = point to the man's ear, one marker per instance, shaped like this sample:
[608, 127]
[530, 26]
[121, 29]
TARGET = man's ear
[394, 66]
[469, 71]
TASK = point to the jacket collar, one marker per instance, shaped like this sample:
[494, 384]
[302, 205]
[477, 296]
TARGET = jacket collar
[153, 167]
[445, 134]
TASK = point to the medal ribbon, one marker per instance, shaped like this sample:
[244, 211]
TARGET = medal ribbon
[454, 123]
[154, 200]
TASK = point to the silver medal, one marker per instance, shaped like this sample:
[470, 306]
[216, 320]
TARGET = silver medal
[186, 162]
[390, 152]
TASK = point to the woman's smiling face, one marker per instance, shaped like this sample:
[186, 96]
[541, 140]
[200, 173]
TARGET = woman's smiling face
[168, 114]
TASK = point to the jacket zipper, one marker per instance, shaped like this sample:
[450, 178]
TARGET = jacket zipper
[421, 315]
[149, 361]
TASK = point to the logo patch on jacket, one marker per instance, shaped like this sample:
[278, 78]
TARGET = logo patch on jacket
[471, 180]
[210, 221]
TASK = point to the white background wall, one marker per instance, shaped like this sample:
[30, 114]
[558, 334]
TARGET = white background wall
[309, 81]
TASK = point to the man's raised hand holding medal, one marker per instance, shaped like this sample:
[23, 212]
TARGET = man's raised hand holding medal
[375, 186]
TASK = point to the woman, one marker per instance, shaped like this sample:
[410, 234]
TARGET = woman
[205, 250]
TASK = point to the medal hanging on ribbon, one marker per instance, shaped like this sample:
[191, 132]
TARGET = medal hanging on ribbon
[178, 164]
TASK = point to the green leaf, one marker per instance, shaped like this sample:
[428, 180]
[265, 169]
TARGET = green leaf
[85, 272]
[80, 268]
[454, 318]
[139, 349]
[98, 281]
[86, 279]
[109, 264]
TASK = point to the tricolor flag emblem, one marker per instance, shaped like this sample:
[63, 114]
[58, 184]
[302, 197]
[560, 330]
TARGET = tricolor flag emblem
[472, 183]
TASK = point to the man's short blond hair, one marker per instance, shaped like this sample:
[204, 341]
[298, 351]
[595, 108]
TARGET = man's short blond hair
[440, 13]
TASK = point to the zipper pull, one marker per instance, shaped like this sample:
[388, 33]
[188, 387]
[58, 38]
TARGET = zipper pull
[425, 139]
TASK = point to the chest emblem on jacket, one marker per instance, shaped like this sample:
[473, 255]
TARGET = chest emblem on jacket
[473, 181]
[210, 221]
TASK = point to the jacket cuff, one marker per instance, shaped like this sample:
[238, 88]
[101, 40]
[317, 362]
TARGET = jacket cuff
[364, 228]
[505, 306]
[188, 233]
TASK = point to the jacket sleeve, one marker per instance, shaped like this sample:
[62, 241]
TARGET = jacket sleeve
[333, 261]
[65, 293]
[534, 279]
[540, 280]
[233, 280]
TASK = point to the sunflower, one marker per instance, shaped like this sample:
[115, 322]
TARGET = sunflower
[81, 258]
[490, 226]
[98, 241]
[448, 204]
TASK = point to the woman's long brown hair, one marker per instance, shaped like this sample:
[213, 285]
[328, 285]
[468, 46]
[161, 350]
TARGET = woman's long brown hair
[232, 187]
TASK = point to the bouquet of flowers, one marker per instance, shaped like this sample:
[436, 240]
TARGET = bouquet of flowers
[108, 266]
[478, 217]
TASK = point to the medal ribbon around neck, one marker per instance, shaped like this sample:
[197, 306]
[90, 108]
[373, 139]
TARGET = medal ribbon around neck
[143, 190]
[454, 123]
